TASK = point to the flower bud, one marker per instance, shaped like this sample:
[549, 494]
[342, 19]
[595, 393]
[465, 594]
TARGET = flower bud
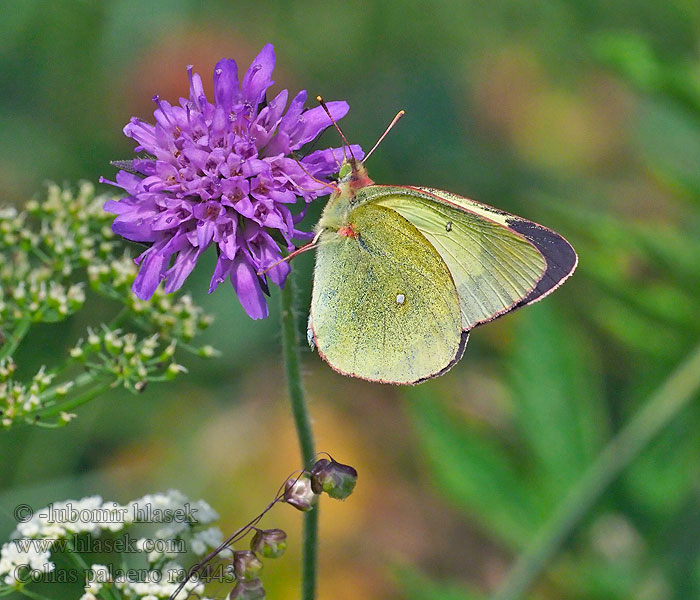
[168, 353]
[67, 417]
[140, 386]
[208, 352]
[334, 478]
[271, 543]
[246, 565]
[299, 494]
[77, 353]
[113, 343]
[248, 590]
[174, 370]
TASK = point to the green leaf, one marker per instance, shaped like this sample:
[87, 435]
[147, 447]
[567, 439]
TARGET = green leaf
[473, 470]
[663, 478]
[630, 55]
[557, 398]
[417, 586]
[669, 139]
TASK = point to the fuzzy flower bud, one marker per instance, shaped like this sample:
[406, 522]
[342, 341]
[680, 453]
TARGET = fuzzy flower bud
[334, 478]
[173, 370]
[77, 353]
[299, 494]
[94, 341]
[168, 353]
[208, 352]
[271, 543]
[246, 565]
[248, 590]
[67, 417]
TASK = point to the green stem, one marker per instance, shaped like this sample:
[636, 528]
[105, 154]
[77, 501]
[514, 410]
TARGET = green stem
[74, 556]
[77, 559]
[14, 341]
[292, 368]
[72, 402]
[33, 595]
[665, 404]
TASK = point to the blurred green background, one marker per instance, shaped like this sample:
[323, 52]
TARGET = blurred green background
[582, 115]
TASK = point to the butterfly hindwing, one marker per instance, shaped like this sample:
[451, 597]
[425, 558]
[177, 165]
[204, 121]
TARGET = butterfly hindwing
[384, 305]
[494, 267]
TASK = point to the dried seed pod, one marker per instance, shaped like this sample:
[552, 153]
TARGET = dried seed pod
[334, 478]
[248, 590]
[246, 565]
[271, 543]
[299, 494]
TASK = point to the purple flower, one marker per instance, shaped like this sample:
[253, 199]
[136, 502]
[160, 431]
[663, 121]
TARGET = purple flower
[221, 174]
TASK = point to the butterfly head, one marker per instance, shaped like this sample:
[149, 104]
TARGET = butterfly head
[352, 176]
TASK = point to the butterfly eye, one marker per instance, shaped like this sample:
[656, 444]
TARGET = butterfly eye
[400, 299]
[345, 170]
[448, 226]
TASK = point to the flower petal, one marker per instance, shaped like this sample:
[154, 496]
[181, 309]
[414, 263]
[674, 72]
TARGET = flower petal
[197, 96]
[184, 263]
[257, 77]
[325, 162]
[221, 272]
[247, 285]
[134, 219]
[151, 272]
[226, 83]
[314, 121]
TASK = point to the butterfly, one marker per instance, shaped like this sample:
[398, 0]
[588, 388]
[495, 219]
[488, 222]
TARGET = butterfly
[403, 274]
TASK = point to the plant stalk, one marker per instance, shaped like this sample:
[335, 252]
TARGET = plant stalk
[660, 409]
[15, 339]
[302, 420]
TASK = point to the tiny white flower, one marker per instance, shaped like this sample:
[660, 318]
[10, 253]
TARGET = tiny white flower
[206, 540]
[67, 417]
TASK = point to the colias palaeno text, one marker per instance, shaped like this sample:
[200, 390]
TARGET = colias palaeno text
[404, 273]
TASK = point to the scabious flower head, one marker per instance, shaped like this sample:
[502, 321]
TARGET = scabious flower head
[222, 174]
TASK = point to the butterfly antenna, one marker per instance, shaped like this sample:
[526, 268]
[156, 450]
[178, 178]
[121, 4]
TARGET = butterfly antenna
[342, 135]
[323, 183]
[394, 121]
[310, 246]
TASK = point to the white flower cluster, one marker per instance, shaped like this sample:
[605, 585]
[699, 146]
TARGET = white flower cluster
[61, 520]
[175, 517]
[95, 579]
[19, 398]
[188, 514]
[155, 585]
[73, 232]
[130, 360]
[37, 299]
[171, 316]
[160, 584]
[49, 253]
[13, 563]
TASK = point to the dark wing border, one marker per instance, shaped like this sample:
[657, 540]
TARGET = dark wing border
[560, 256]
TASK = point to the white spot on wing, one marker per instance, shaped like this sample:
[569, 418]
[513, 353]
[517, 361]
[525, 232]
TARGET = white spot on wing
[400, 299]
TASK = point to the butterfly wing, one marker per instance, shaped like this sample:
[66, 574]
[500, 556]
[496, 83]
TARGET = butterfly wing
[561, 257]
[384, 305]
[498, 261]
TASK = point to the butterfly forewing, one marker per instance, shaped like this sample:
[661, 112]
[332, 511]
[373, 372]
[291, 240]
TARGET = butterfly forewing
[493, 267]
[384, 304]
[560, 256]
